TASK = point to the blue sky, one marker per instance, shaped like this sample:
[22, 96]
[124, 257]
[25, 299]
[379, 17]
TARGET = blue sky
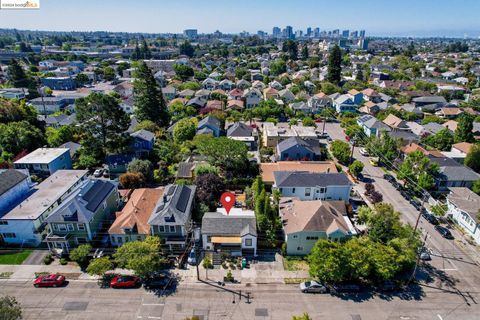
[378, 17]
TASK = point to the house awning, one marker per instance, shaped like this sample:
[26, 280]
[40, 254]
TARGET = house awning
[226, 240]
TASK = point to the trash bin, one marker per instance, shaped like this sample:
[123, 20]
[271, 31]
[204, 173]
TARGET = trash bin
[244, 263]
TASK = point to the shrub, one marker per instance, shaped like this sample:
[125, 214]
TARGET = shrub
[207, 263]
[63, 261]
[369, 188]
[48, 259]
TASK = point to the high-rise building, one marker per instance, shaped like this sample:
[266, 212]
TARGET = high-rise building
[354, 34]
[336, 33]
[276, 32]
[345, 33]
[298, 34]
[362, 33]
[261, 33]
[309, 32]
[363, 43]
[190, 33]
[316, 32]
[289, 32]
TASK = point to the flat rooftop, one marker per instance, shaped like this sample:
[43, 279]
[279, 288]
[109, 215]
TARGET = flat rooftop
[237, 212]
[45, 194]
[42, 155]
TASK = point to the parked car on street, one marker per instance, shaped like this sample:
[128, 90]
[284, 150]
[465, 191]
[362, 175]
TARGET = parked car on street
[425, 256]
[444, 232]
[192, 258]
[98, 173]
[388, 177]
[363, 152]
[158, 281]
[430, 218]
[51, 280]
[313, 287]
[125, 282]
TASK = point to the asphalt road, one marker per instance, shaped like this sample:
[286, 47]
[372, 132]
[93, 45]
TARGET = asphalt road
[85, 300]
[448, 257]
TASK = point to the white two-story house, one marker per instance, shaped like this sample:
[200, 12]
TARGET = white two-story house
[464, 207]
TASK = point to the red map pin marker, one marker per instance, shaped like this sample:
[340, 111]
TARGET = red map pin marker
[228, 200]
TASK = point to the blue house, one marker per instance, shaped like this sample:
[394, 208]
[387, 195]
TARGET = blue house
[296, 148]
[45, 161]
[372, 126]
[59, 83]
[143, 141]
[344, 103]
[118, 163]
[209, 125]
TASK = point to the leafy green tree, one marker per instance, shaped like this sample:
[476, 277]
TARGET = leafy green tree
[12, 110]
[58, 136]
[183, 71]
[356, 167]
[108, 73]
[442, 140]
[308, 122]
[305, 52]
[432, 118]
[145, 167]
[145, 51]
[143, 257]
[80, 255]
[87, 161]
[290, 47]
[147, 125]
[10, 309]
[122, 67]
[476, 187]
[185, 129]
[464, 133]
[439, 209]
[204, 168]
[81, 79]
[149, 101]
[17, 75]
[209, 188]
[327, 262]
[278, 67]
[99, 266]
[18, 136]
[472, 159]
[417, 171]
[102, 120]
[385, 146]
[335, 65]
[187, 49]
[226, 154]
[341, 150]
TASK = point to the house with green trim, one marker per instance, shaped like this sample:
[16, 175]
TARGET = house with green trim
[80, 217]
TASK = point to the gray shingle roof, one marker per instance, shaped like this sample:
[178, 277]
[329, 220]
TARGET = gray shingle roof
[143, 134]
[309, 179]
[9, 179]
[239, 129]
[210, 121]
[311, 145]
[175, 206]
[215, 223]
[450, 170]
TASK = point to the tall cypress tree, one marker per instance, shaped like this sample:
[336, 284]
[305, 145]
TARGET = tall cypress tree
[149, 101]
[335, 65]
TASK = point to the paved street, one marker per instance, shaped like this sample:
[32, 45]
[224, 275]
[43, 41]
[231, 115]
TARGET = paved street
[449, 257]
[85, 300]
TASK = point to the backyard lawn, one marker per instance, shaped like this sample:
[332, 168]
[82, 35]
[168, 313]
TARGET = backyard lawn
[295, 264]
[15, 258]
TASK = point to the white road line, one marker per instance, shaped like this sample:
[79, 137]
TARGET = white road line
[152, 317]
[439, 317]
[153, 304]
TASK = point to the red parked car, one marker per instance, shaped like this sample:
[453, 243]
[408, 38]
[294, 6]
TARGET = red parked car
[52, 280]
[125, 282]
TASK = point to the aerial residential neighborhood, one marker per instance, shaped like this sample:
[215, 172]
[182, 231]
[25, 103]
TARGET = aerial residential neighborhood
[159, 171]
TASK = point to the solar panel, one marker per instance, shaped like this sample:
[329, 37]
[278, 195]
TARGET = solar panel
[102, 189]
[183, 199]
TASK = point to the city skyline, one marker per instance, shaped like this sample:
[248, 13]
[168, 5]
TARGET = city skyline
[160, 17]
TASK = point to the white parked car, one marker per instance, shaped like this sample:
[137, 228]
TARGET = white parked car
[192, 258]
[313, 287]
[98, 173]
[363, 152]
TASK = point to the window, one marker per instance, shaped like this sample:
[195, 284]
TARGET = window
[295, 237]
[281, 190]
[81, 226]
[119, 240]
[9, 235]
[293, 190]
[70, 227]
[248, 242]
[3, 223]
[308, 192]
[62, 227]
[81, 240]
[172, 229]
[104, 205]
[312, 238]
[322, 190]
[299, 248]
[161, 228]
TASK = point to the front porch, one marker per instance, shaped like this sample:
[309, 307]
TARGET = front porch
[59, 245]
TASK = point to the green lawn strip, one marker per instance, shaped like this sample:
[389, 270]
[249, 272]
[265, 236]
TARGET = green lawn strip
[15, 258]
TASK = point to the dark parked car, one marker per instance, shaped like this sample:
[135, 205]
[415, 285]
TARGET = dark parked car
[417, 205]
[389, 178]
[125, 282]
[430, 218]
[158, 281]
[345, 288]
[52, 280]
[444, 232]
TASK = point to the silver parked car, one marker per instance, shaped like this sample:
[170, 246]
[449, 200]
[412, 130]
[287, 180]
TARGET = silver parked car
[313, 287]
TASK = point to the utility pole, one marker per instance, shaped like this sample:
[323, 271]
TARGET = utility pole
[324, 123]
[418, 260]
[353, 148]
[420, 212]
